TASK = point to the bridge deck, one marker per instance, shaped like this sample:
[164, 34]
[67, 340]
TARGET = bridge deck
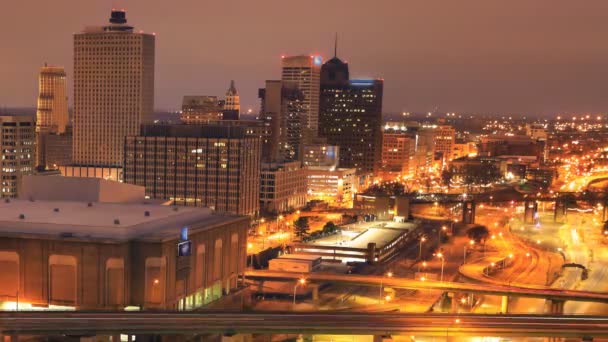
[106, 323]
[501, 290]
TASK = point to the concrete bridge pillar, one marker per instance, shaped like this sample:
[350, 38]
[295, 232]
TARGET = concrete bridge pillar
[504, 304]
[555, 306]
[559, 215]
[453, 302]
[468, 212]
[530, 211]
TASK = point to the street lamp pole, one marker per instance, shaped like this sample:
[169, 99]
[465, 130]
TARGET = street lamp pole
[302, 282]
[422, 239]
[440, 255]
[389, 274]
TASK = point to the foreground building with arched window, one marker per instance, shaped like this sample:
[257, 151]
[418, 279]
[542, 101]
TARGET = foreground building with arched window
[95, 245]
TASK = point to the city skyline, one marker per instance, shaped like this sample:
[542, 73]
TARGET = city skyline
[529, 58]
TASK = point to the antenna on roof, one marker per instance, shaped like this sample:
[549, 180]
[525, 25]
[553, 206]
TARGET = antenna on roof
[336, 45]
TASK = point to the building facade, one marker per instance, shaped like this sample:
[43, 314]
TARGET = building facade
[113, 89]
[52, 107]
[321, 155]
[283, 108]
[18, 146]
[304, 72]
[445, 137]
[398, 152]
[54, 149]
[351, 117]
[200, 109]
[195, 165]
[283, 187]
[337, 187]
[232, 104]
[98, 255]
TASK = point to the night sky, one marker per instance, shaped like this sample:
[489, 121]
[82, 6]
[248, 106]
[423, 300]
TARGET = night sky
[517, 56]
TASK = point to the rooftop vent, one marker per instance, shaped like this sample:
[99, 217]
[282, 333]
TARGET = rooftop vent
[21, 216]
[7, 200]
[116, 221]
[89, 204]
[146, 213]
[66, 234]
[56, 210]
[175, 208]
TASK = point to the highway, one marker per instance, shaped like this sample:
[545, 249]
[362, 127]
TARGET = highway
[532, 291]
[105, 323]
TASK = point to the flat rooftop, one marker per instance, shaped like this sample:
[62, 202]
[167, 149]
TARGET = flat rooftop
[359, 235]
[113, 222]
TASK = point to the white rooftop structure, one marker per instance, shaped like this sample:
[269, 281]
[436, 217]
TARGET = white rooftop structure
[97, 209]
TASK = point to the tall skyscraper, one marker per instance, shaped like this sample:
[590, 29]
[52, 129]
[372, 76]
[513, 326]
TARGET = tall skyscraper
[52, 111]
[351, 116]
[113, 89]
[305, 73]
[283, 108]
[232, 104]
[233, 101]
[18, 146]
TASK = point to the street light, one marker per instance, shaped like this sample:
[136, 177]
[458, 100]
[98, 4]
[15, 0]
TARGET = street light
[440, 256]
[422, 239]
[390, 275]
[464, 259]
[302, 282]
[444, 228]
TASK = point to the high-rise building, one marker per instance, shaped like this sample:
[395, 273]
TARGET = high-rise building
[283, 108]
[54, 149]
[52, 111]
[113, 89]
[232, 104]
[18, 146]
[351, 116]
[305, 73]
[200, 109]
[211, 166]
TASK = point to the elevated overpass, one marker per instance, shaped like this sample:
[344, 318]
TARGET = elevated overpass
[516, 290]
[147, 325]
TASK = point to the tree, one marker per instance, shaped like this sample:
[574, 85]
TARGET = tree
[330, 228]
[446, 176]
[301, 227]
[478, 233]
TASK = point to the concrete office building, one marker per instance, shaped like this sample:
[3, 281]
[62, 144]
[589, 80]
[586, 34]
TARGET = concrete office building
[18, 146]
[211, 166]
[337, 187]
[54, 149]
[305, 73]
[113, 89]
[351, 117]
[76, 249]
[200, 109]
[398, 152]
[283, 187]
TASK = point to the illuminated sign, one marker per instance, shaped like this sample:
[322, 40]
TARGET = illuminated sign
[317, 60]
[183, 235]
[184, 248]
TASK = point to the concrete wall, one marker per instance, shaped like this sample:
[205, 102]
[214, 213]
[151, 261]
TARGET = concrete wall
[58, 188]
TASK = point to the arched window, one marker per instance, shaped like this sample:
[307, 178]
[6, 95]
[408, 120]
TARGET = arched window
[115, 282]
[200, 266]
[155, 280]
[218, 260]
[9, 275]
[64, 279]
